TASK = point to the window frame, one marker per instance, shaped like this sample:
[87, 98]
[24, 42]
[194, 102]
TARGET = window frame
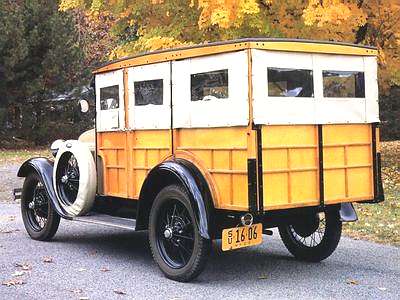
[104, 118]
[150, 116]
[278, 109]
[207, 114]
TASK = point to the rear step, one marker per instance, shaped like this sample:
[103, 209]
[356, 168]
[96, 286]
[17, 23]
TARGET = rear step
[107, 220]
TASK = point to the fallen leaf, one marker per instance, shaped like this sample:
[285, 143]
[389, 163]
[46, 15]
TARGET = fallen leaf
[104, 269]
[8, 230]
[48, 259]
[18, 273]
[13, 282]
[76, 291]
[24, 266]
[119, 292]
[352, 281]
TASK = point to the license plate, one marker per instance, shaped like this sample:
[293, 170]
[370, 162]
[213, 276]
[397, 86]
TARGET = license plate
[239, 237]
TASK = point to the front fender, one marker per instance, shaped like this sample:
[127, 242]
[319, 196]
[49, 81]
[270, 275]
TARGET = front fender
[44, 168]
[174, 172]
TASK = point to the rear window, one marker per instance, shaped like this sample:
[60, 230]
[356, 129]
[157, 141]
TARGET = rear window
[290, 83]
[343, 84]
[148, 92]
[109, 97]
[209, 85]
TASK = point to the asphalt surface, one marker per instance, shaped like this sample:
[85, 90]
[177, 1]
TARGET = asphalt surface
[94, 262]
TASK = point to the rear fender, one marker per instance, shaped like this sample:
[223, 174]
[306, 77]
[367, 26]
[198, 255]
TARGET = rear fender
[176, 172]
[44, 168]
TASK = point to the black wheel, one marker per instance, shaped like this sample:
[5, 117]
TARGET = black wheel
[175, 242]
[40, 220]
[313, 239]
[67, 178]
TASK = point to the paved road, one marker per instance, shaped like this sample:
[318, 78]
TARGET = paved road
[98, 263]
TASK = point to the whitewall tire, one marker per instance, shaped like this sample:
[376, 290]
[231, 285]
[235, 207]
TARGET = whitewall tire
[74, 177]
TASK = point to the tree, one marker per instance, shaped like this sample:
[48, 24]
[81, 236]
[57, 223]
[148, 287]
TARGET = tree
[157, 24]
[40, 57]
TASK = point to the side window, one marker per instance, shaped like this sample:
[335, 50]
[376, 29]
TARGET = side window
[148, 92]
[343, 84]
[284, 82]
[209, 85]
[211, 91]
[150, 96]
[109, 97]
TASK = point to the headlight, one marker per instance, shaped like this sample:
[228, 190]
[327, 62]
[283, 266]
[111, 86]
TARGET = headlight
[55, 146]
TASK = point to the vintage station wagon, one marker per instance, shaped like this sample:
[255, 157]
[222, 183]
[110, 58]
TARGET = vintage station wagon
[220, 141]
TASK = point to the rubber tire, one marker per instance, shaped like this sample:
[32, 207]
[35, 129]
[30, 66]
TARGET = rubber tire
[324, 249]
[87, 179]
[201, 248]
[53, 219]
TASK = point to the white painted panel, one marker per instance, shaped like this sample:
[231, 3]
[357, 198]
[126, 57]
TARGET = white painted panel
[280, 110]
[371, 89]
[337, 110]
[317, 110]
[233, 111]
[112, 119]
[150, 116]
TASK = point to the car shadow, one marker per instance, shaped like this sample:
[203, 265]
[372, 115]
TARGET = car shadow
[270, 260]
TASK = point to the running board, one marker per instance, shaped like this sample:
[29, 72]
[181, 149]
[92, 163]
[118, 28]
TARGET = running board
[107, 220]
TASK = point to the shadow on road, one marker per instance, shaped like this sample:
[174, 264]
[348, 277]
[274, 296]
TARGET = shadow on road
[266, 261]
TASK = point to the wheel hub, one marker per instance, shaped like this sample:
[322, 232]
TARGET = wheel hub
[168, 233]
[64, 179]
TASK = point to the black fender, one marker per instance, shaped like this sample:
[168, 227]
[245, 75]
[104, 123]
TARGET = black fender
[44, 168]
[186, 174]
[347, 212]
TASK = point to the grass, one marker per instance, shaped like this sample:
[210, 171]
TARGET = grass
[377, 222]
[19, 156]
[381, 222]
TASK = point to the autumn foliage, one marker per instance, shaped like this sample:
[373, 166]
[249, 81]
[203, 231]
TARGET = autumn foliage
[158, 24]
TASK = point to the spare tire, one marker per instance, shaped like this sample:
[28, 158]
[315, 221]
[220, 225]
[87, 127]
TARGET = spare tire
[74, 178]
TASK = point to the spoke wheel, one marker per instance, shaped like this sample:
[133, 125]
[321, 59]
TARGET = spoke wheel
[40, 220]
[176, 244]
[312, 234]
[37, 209]
[175, 234]
[67, 178]
[315, 238]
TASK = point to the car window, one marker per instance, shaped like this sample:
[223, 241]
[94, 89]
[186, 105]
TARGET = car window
[148, 92]
[344, 84]
[209, 85]
[109, 97]
[284, 82]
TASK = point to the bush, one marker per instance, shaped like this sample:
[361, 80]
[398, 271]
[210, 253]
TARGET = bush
[390, 115]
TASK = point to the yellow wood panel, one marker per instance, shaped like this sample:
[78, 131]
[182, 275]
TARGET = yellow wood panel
[147, 148]
[111, 147]
[128, 156]
[290, 166]
[347, 163]
[222, 153]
